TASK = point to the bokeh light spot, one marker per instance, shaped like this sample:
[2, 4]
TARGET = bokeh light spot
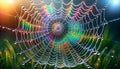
[6, 4]
[116, 2]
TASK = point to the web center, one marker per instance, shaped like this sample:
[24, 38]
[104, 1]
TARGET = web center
[57, 28]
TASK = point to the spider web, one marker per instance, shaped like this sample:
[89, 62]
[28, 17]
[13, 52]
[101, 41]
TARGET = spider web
[78, 39]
